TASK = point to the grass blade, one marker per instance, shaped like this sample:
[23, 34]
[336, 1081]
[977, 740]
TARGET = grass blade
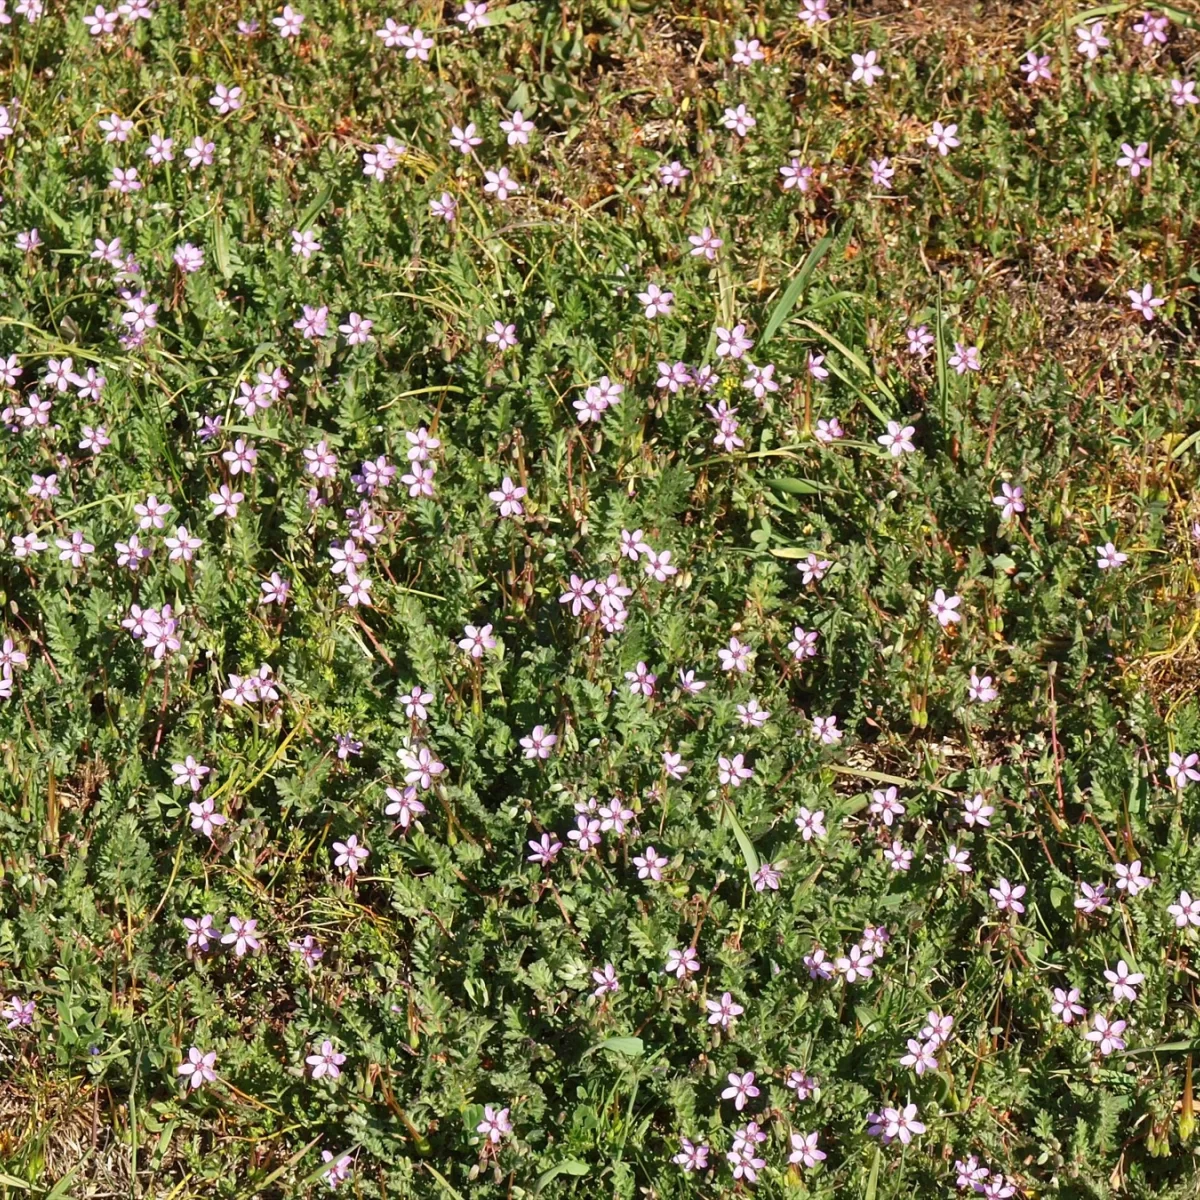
[310, 214]
[873, 1178]
[787, 301]
[743, 840]
[856, 360]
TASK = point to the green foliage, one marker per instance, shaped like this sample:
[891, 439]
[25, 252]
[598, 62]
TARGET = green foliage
[456, 973]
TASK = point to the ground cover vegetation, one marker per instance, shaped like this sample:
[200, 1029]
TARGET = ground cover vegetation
[599, 600]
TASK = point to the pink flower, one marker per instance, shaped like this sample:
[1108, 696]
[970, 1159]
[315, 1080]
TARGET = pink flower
[1010, 502]
[539, 742]
[898, 439]
[705, 243]
[722, 1012]
[738, 120]
[825, 730]
[735, 657]
[672, 174]
[942, 138]
[886, 805]
[1036, 68]
[545, 850]
[477, 640]
[1007, 897]
[965, 358]
[1135, 158]
[811, 824]
[241, 935]
[733, 343]
[1124, 982]
[500, 184]
[578, 595]
[474, 16]
[1091, 40]
[960, 860]
[1106, 1034]
[740, 1090]
[1130, 878]
[731, 772]
[1066, 1007]
[204, 817]
[404, 806]
[945, 608]
[508, 498]
[495, 1124]
[339, 1169]
[1186, 911]
[1183, 92]
[866, 68]
[289, 22]
[691, 1157]
[349, 854]
[517, 128]
[655, 301]
[327, 1061]
[796, 175]
[882, 173]
[921, 1056]
[1145, 301]
[199, 1067]
[746, 53]
[641, 680]
[813, 568]
[766, 878]
[980, 688]
[1181, 771]
[1153, 27]
[682, 963]
[855, 965]
[420, 767]
[606, 981]
[828, 431]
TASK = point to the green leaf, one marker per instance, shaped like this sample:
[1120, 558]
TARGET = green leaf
[310, 214]
[220, 241]
[1187, 443]
[1165, 1048]
[943, 379]
[795, 487]
[447, 1187]
[633, 1047]
[787, 301]
[873, 1178]
[568, 1166]
[748, 851]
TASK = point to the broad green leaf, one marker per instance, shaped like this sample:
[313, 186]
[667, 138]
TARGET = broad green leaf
[795, 487]
[633, 1047]
[568, 1166]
